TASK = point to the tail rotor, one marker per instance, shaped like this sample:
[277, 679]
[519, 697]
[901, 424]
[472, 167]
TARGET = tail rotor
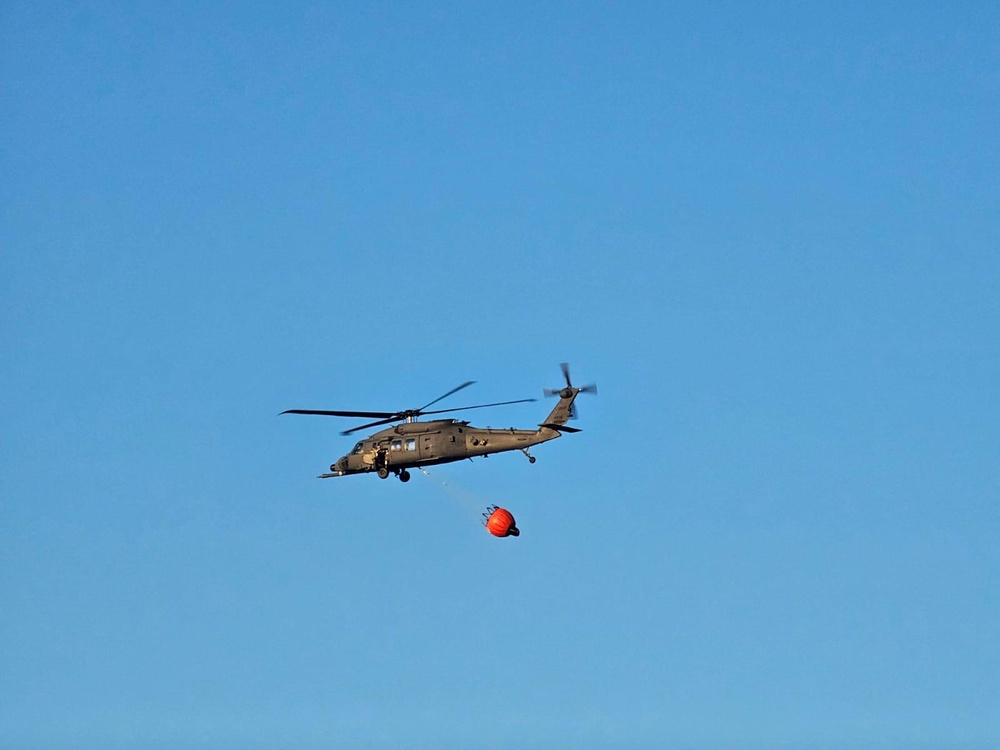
[570, 390]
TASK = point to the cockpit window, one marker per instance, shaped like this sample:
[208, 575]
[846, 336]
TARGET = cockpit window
[357, 449]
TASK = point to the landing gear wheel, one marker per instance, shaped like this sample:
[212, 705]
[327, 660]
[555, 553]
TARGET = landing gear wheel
[383, 473]
[404, 476]
[531, 459]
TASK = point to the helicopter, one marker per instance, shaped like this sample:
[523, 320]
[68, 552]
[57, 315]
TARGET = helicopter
[414, 444]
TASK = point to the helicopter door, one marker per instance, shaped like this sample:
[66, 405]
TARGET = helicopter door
[402, 451]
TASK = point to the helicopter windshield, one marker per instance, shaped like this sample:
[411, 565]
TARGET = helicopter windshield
[357, 449]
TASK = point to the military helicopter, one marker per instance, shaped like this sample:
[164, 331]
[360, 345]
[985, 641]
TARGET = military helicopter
[414, 444]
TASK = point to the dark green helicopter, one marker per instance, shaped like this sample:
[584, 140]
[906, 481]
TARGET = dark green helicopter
[414, 444]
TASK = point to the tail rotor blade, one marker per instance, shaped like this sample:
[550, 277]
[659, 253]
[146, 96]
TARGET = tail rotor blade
[565, 371]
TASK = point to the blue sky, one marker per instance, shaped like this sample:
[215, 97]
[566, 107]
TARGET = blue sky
[769, 232]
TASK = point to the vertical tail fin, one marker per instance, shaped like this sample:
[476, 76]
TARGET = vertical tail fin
[564, 409]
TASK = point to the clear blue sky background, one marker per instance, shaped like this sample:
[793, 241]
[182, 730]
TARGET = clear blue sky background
[769, 232]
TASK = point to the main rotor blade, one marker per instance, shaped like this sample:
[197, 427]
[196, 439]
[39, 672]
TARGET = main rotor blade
[453, 390]
[340, 413]
[565, 371]
[480, 406]
[393, 418]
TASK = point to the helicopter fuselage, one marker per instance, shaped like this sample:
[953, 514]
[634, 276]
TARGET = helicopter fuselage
[415, 444]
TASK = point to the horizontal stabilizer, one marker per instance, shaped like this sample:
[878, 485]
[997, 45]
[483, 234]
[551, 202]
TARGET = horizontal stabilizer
[560, 427]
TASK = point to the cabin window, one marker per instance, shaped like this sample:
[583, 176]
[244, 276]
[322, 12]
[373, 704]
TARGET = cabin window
[396, 445]
[411, 444]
